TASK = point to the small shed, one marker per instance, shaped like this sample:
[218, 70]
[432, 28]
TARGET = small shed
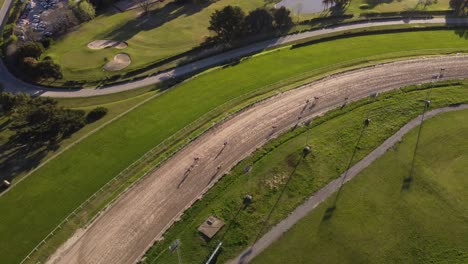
[210, 227]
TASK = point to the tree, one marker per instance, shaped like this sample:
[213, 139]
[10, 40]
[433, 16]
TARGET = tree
[48, 69]
[61, 19]
[29, 67]
[31, 49]
[282, 17]
[336, 3]
[459, 7]
[258, 20]
[101, 4]
[227, 23]
[39, 120]
[85, 11]
[8, 101]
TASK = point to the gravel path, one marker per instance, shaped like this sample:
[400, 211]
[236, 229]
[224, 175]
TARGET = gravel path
[308, 206]
[12, 84]
[140, 216]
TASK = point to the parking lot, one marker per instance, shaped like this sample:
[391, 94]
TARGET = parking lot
[35, 23]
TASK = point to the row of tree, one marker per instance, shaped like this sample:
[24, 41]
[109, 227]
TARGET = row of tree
[37, 121]
[28, 60]
[231, 23]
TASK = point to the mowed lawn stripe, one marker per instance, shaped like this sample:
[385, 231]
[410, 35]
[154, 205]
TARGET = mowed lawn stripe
[36, 205]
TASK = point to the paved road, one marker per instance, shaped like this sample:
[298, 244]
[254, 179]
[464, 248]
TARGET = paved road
[320, 196]
[128, 227]
[12, 84]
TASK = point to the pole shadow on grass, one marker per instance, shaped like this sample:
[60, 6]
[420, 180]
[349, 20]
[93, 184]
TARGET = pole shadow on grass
[265, 222]
[407, 181]
[331, 209]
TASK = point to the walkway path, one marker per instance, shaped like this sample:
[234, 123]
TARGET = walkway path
[303, 210]
[124, 232]
[12, 84]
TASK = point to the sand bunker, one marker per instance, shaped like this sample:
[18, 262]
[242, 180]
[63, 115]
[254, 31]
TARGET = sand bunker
[106, 43]
[120, 61]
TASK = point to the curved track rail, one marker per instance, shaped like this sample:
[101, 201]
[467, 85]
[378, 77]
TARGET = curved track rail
[123, 232]
[320, 196]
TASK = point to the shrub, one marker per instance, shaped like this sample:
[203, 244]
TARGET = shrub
[96, 114]
[49, 69]
[46, 42]
[364, 6]
[31, 49]
[13, 38]
[84, 11]
[29, 67]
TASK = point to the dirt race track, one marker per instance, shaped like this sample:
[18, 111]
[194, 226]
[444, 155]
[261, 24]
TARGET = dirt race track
[125, 231]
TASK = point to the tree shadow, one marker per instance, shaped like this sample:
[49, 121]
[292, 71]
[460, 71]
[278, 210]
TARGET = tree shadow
[17, 159]
[462, 32]
[153, 19]
[460, 7]
[374, 3]
[330, 16]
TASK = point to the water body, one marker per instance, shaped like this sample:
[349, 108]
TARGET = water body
[302, 6]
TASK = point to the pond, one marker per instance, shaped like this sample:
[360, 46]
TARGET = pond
[302, 6]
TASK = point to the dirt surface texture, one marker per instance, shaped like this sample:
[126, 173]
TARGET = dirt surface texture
[119, 62]
[106, 43]
[128, 227]
[320, 196]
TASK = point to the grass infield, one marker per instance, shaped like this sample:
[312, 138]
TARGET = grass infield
[378, 222]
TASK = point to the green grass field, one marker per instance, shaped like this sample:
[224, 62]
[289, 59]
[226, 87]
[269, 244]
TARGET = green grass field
[378, 222]
[158, 36]
[36, 205]
[395, 5]
[116, 105]
[332, 139]
[169, 32]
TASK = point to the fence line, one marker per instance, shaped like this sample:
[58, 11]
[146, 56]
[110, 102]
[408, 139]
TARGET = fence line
[199, 120]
